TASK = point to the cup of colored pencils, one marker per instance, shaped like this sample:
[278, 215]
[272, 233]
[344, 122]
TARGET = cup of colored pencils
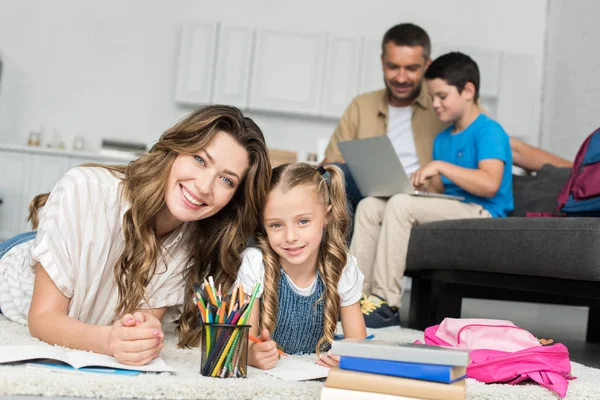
[224, 330]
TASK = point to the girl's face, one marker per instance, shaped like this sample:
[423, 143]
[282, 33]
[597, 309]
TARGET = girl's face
[200, 185]
[294, 222]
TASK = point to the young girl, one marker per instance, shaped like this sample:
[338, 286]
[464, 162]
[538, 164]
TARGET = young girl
[117, 246]
[308, 276]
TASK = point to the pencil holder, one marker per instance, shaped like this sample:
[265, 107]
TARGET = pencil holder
[224, 350]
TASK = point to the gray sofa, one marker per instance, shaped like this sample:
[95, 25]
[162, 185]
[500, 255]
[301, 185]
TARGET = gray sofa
[548, 260]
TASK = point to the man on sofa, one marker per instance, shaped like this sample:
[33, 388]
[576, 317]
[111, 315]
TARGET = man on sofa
[403, 111]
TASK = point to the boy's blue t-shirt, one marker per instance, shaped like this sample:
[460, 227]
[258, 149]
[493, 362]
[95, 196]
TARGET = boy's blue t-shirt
[482, 140]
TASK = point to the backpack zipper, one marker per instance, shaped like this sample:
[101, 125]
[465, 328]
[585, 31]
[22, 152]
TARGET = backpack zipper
[491, 326]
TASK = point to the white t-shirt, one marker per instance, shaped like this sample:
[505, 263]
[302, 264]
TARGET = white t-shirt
[78, 241]
[252, 270]
[401, 134]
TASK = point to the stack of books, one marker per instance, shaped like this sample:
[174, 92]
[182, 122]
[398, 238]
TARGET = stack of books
[378, 369]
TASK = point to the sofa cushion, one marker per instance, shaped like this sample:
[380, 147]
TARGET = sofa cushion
[548, 247]
[538, 192]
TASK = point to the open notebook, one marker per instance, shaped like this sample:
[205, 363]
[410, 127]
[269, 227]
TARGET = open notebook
[295, 368]
[74, 358]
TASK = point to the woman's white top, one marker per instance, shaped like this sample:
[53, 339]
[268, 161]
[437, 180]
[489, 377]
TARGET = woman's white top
[78, 241]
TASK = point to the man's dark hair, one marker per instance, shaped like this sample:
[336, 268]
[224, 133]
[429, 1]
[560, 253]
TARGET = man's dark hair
[457, 69]
[409, 35]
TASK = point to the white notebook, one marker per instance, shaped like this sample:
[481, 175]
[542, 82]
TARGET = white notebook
[294, 368]
[75, 358]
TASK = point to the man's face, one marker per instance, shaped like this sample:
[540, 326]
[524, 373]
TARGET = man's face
[403, 70]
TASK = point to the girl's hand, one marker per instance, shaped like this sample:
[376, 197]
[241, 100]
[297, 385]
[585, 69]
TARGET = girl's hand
[328, 360]
[263, 355]
[136, 339]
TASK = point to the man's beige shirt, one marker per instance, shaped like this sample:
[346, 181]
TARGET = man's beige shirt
[367, 116]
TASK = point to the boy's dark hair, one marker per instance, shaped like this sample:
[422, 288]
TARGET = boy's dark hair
[457, 69]
[409, 35]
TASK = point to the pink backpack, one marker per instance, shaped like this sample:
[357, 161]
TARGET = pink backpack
[504, 353]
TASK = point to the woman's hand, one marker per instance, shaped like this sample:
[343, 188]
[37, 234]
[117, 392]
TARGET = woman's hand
[263, 355]
[328, 360]
[136, 339]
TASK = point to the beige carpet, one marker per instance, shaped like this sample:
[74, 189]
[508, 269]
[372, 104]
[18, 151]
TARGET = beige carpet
[187, 383]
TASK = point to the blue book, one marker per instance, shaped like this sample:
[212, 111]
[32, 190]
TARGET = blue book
[423, 372]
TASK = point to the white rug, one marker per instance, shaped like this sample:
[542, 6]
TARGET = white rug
[187, 383]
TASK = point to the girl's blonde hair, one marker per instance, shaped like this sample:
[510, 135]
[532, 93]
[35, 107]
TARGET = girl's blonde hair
[216, 243]
[333, 252]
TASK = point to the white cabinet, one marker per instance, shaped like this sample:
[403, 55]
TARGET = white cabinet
[44, 172]
[195, 69]
[314, 74]
[14, 170]
[288, 72]
[232, 72]
[77, 161]
[371, 75]
[341, 74]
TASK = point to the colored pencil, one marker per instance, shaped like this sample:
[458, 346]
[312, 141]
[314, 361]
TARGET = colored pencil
[223, 347]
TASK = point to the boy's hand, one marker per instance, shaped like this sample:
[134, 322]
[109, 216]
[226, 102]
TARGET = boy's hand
[425, 173]
[263, 355]
[328, 360]
[136, 339]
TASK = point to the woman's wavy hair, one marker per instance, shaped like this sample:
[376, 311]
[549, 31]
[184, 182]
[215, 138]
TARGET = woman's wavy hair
[215, 243]
[333, 252]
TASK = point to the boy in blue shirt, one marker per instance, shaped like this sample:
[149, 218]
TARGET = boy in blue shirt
[472, 158]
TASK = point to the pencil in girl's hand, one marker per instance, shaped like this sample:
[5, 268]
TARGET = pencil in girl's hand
[257, 340]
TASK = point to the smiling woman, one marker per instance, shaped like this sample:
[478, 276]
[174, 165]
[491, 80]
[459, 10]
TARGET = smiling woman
[116, 247]
[200, 185]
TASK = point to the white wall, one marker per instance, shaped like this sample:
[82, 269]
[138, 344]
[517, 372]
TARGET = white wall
[107, 68]
[572, 81]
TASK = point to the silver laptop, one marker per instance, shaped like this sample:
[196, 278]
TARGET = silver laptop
[377, 170]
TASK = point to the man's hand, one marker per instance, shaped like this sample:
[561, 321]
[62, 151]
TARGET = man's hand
[263, 355]
[328, 360]
[136, 339]
[423, 174]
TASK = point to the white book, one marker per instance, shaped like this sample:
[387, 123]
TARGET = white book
[328, 393]
[403, 352]
[75, 358]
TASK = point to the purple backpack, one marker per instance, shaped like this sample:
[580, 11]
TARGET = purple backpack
[580, 196]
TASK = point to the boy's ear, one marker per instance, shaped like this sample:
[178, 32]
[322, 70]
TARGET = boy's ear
[469, 89]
